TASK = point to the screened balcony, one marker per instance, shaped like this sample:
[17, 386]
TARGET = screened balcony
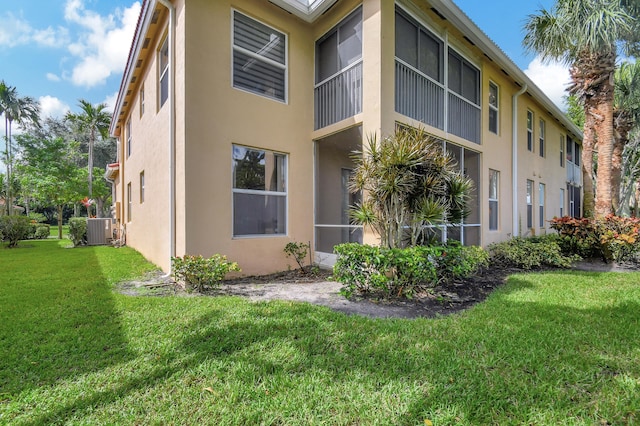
[338, 97]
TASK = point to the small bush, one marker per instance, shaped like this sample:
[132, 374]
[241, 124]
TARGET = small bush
[37, 217]
[403, 272]
[42, 231]
[612, 238]
[78, 231]
[197, 272]
[530, 253]
[298, 251]
[14, 228]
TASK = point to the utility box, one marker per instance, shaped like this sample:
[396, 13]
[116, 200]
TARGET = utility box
[99, 231]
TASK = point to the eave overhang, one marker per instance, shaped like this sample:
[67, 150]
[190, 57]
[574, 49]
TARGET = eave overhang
[307, 10]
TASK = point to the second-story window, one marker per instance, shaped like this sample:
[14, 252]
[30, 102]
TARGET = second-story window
[418, 47]
[142, 101]
[464, 78]
[561, 150]
[493, 108]
[259, 58]
[128, 136]
[163, 73]
[529, 131]
[541, 137]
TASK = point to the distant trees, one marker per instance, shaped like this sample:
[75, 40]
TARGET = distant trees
[586, 35]
[19, 109]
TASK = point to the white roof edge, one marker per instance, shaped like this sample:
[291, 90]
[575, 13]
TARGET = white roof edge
[309, 12]
[454, 14]
[148, 6]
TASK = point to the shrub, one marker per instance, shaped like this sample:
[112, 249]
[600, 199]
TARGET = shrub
[42, 231]
[14, 228]
[196, 272]
[530, 253]
[399, 272]
[458, 261]
[612, 237]
[78, 231]
[37, 217]
[298, 251]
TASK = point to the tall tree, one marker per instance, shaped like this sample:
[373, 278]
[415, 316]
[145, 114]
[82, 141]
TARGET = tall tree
[22, 110]
[626, 113]
[94, 120]
[48, 168]
[584, 34]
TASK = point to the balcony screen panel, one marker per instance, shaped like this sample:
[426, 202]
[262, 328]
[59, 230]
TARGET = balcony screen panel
[327, 57]
[406, 41]
[350, 40]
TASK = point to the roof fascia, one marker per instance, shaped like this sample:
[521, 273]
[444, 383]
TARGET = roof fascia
[148, 6]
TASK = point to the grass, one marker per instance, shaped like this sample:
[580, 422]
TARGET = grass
[546, 349]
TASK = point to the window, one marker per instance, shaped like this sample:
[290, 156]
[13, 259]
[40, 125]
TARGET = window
[259, 58]
[530, 131]
[163, 72]
[418, 47]
[142, 187]
[129, 202]
[142, 101]
[464, 78]
[541, 137]
[561, 150]
[128, 132]
[561, 202]
[493, 108]
[259, 192]
[541, 189]
[494, 178]
[529, 204]
[569, 150]
[340, 47]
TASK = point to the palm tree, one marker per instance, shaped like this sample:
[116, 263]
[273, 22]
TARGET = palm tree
[22, 110]
[584, 35]
[626, 115]
[94, 120]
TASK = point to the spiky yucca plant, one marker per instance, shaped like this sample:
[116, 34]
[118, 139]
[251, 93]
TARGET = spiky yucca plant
[408, 182]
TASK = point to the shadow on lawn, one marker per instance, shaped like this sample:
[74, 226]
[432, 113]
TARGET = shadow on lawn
[535, 358]
[57, 321]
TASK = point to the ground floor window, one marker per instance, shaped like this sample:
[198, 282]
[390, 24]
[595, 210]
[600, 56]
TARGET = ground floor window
[529, 204]
[541, 190]
[494, 178]
[259, 192]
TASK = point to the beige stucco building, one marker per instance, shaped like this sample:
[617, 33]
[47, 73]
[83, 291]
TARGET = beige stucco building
[236, 119]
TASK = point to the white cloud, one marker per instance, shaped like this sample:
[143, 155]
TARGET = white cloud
[15, 31]
[552, 78]
[52, 107]
[111, 102]
[52, 77]
[103, 46]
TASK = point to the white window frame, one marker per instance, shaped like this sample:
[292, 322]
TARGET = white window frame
[284, 194]
[142, 101]
[129, 202]
[163, 72]
[142, 187]
[529, 204]
[562, 159]
[562, 202]
[261, 58]
[128, 133]
[542, 189]
[530, 138]
[495, 108]
[542, 131]
[494, 174]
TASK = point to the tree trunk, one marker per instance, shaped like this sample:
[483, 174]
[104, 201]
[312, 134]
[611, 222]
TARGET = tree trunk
[604, 135]
[60, 222]
[588, 144]
[622, 127]
[90, 167]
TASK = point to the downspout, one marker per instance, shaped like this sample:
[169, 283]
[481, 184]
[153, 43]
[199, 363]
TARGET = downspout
[172, 131]
[514, 162]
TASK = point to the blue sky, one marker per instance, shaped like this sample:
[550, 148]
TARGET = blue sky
[59, 51]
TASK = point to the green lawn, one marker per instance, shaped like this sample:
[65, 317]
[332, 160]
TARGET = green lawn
[547, 349]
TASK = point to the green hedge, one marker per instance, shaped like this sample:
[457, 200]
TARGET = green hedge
[403, 272]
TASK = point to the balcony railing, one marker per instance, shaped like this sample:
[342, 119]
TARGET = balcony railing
[574, 174]
[339, 96]
[419, 97]
[464, 118]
